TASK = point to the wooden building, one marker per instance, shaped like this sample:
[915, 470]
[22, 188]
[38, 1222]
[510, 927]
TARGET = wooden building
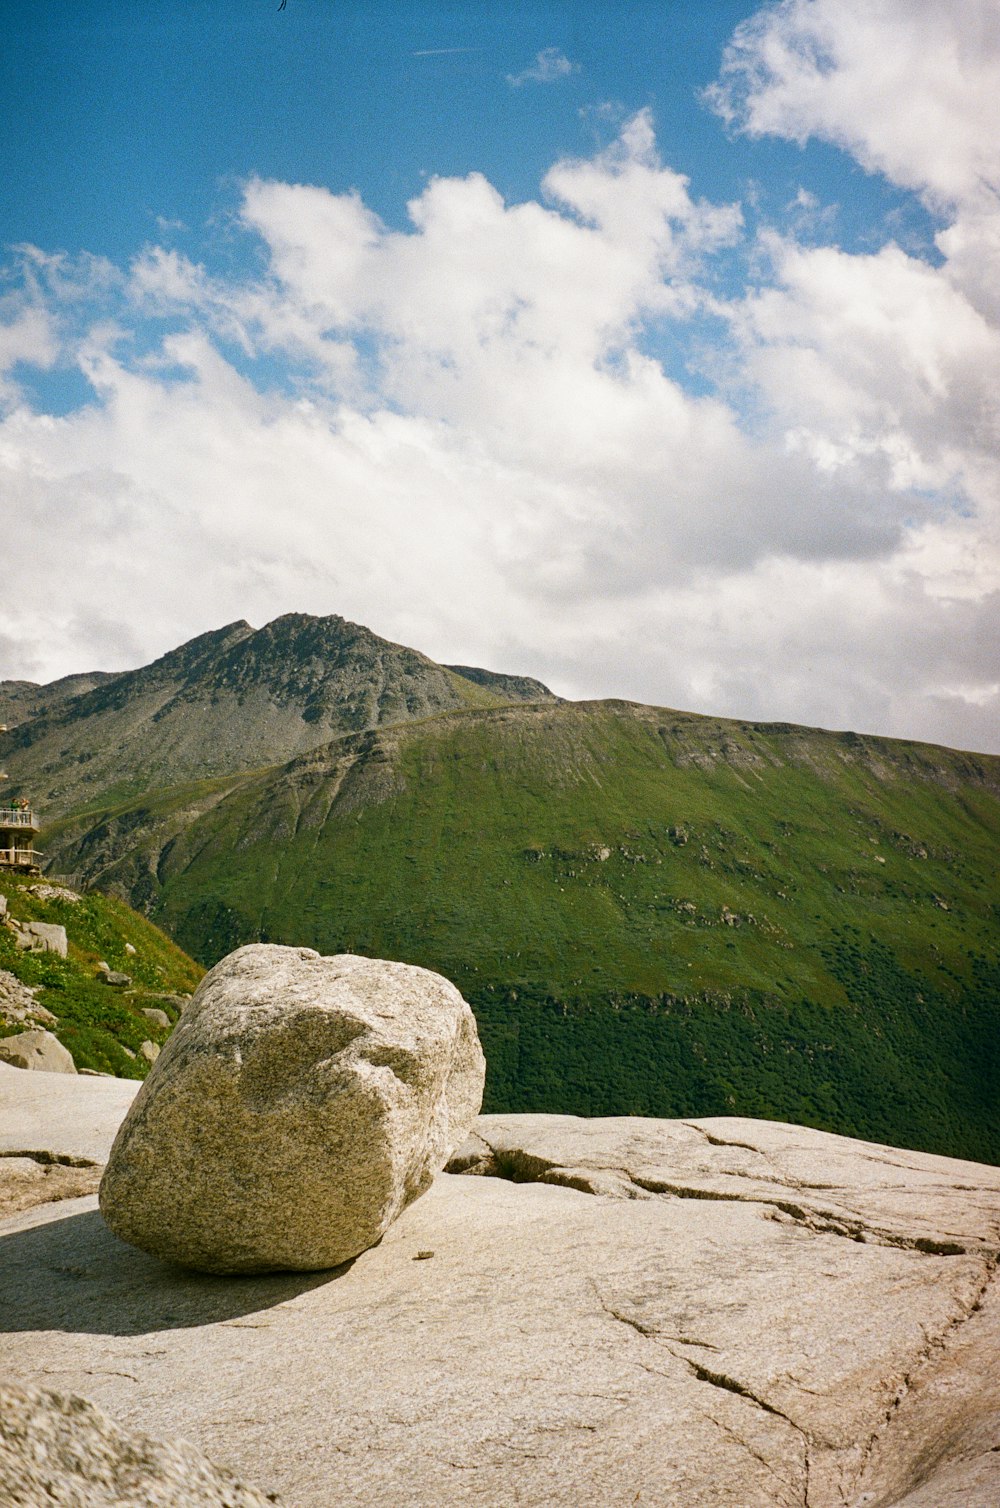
[18, 827]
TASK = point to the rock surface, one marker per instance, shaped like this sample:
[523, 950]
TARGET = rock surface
[49, 892]
[37, 1049]
[657, 1313]
[48, 936]
[58, 1448]
[156, 1016]
[299, 1105]
[16, 1000]
[114, 977]
[54, 1135]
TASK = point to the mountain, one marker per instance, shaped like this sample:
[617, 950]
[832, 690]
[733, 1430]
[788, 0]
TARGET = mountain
[651, 912]
[22, 700]
[233, 699]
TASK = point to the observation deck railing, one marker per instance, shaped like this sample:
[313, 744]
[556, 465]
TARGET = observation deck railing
[17, 816]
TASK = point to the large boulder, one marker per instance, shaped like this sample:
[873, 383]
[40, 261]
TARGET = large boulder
[60, 1448]
[48, 937]
[299, 1105]
[36, 1048]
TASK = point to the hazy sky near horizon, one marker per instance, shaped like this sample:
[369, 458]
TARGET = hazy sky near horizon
[652, 349]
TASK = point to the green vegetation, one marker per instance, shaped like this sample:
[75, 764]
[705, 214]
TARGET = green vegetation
[652, 913]
[97, 1022]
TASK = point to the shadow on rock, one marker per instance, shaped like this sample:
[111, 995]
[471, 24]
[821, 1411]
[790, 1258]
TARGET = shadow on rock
[72, 1274]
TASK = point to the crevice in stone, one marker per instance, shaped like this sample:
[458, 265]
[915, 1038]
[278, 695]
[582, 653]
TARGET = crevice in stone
[732, 1385]
[933, 1348]
[745, 1445]
[52, 1159]
[720, 1141]
[515, 1165]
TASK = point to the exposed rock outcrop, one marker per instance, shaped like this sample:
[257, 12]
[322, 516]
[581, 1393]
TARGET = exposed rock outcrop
[59, 1448]
[299, 1105]
[37, 1049]
[696, 1314]
[17, 1002]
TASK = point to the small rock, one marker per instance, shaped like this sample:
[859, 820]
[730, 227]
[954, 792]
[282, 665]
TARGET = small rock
[113, 977]
[298, 1106]
[158, 1017]
[130, 950]
[42, 1016]
[126, 1050]
[36, 1049]
[3, 906]
[149, 1051]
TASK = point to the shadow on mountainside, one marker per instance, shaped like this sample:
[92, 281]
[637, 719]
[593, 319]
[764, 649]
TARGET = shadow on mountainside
[72, 1274]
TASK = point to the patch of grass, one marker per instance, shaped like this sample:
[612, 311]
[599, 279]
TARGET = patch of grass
[97, 1022]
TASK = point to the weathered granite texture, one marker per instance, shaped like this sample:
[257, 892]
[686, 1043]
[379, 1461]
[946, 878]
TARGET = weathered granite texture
[299, 1105]
[60, 1449]
[743, 1313]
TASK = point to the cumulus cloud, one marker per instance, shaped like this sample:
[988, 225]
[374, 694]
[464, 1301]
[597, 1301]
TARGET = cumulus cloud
[549, 66]
[474, 448]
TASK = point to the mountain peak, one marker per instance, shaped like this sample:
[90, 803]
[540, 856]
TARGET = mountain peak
[235, 698]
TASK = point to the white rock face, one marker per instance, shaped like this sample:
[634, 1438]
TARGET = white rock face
[299, 1105]
[37, 1049]
[710, 1314]
[48, 936]
[58, 1448]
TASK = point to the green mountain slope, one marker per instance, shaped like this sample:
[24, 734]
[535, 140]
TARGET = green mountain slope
[652, 913]
[103, 1026]
[229, 700]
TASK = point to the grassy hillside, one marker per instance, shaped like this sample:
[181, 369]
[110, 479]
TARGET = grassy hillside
[651, 912]
[102, 1026]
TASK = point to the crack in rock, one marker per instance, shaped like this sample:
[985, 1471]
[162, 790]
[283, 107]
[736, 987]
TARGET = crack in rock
[516, 1165]
[52, 1159]
[933, 1348]
[732, 1385]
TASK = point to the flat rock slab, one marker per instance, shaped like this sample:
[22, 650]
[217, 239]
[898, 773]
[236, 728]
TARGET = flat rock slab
[744, 1313]
[62, 1114]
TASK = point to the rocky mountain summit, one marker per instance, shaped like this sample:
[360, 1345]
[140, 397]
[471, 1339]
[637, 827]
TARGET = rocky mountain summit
[236, 698]
[626, 1311]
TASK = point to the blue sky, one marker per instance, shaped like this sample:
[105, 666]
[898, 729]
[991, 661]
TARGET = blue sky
[120, 118]
[669, 326]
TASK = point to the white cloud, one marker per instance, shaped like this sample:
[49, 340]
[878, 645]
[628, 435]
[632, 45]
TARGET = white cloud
[478, 454]
[549, 66]
[908, 87]
[27, 335]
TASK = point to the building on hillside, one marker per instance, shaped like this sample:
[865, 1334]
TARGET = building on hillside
[17, 832]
